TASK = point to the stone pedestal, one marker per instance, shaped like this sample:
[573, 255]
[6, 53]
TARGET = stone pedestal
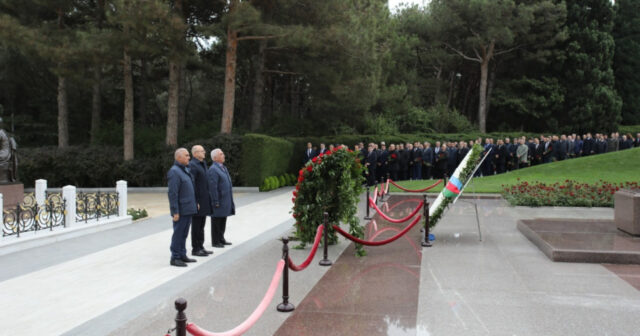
[627, 211]
[12, 193]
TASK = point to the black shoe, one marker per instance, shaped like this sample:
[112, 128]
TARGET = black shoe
[218, 245]
[178, 263]
[187, 259]
[227, 243]
[200, 253]
[207, 252]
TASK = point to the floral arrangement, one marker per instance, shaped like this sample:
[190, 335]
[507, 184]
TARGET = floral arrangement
[567, 193]
[331, 182]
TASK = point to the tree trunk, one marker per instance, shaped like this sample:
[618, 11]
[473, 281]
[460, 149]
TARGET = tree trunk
[229, 82]
[63, 114]
[142, 93]
[490, 85]
[484, 72]
[128, 107]
[172, 111]
[258, 91]
[450, 95]
[96, 104]
[182, 100]
[96, 101]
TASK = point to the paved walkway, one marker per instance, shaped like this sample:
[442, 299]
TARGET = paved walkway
[58, 297]
[118, 282]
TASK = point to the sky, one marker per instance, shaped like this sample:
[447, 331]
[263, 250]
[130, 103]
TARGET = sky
[394, 3]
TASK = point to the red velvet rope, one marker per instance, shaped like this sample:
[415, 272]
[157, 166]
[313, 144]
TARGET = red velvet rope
[306, 263]
[389, 219]
[377, 243]
[417, 191]
[253, 318]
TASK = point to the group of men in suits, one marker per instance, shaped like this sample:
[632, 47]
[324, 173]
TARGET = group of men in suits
[415, 161]
[507, 154]
[197, 191]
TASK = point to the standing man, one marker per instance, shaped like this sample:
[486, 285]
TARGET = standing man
[309, 153]
[427, 160]
[182, 204]
[522, 154]
[221, 194]
[370, 163]
[198, 169]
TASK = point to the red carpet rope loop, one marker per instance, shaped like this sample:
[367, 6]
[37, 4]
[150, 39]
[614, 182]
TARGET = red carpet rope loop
[306, 263]
[253, 318]
[389, 219]
[417, 191]
[377, 243]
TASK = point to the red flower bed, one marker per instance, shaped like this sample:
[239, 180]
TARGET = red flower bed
[567, 193]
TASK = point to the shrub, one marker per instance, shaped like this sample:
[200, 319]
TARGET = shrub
[137, 213]
[263, 156]
[102, 166]
[282, 180]
[570, 193]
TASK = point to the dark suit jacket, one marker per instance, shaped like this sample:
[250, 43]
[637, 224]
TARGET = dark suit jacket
[199, 173]
[182, 197]
[462, 152]
[220, 191]
[427, 156]
[441, 160]
[403, 159]
[309, 154]
[588, 146]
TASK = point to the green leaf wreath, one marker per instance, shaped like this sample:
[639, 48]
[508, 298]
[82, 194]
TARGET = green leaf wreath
[332, 183]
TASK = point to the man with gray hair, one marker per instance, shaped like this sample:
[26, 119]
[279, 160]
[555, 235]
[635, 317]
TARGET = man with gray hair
[198, 169]
[182, 203]
[221, 195]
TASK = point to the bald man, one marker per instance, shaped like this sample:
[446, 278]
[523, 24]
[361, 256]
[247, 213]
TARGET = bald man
[182, 204]
[198, 169]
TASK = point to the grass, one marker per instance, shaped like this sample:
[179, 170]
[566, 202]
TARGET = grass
[615, 167]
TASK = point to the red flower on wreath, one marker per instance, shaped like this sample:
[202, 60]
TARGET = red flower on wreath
[293, 199]
[297, 186]
[309, 168]
[315, 159]
[301, 178]
[301, 172]
[295, 193]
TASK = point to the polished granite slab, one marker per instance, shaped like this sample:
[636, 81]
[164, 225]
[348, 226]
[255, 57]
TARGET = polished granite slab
[582, 240]
[372, 295]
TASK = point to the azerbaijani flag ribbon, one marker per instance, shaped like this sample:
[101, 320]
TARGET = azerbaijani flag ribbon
[453, 187]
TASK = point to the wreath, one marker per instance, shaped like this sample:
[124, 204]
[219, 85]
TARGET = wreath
[331, 182]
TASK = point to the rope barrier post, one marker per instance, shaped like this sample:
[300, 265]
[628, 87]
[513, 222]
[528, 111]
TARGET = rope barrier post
[181, 317]
[425, 241]
[445, 180]
[285, 306]
[325, 261]
[376, 191]
[367, 217]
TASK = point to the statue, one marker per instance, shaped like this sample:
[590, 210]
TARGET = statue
[8, 157]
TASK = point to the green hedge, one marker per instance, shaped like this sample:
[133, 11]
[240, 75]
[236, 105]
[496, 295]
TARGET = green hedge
[264, 156]
[102, 166]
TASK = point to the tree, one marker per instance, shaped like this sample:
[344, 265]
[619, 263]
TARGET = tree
[591, 100]
[626, 61]
[479, 31]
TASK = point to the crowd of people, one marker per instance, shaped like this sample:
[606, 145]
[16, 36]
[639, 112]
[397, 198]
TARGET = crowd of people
[417, 161]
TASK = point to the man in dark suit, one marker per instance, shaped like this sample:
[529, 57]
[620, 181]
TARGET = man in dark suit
[588, 145]
[322, 149]
[309, 153]
[601, 144]
[625, 143]
[416, 157]
[636, 141]
[198, 169]
[403, 155]
[182, 204]
[393, 164]
[221, 194]
[548, 150]
[427, 160]
[452, 159]
[563, 148]
[501, 156]
[383, 163]
[371, 163]
[577, 150]
[441, 161]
